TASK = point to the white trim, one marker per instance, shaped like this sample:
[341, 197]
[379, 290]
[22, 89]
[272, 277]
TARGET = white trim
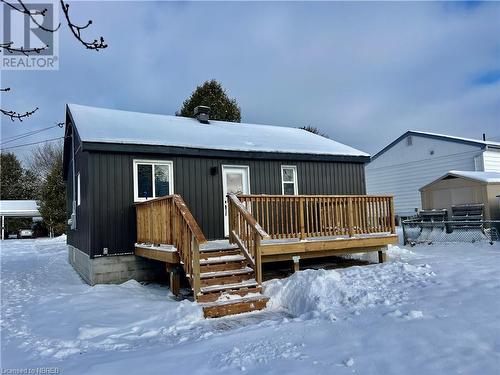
[224, 190]
[153, 162]
[295, 183]
[78, 190]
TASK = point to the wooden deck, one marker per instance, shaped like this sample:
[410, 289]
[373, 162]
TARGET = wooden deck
[227, 276]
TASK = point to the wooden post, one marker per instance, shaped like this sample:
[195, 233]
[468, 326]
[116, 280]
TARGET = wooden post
[301, 219]
[175, 281]
[350, 219]
[382, 256]
[296, 265]
[231, 219]
[393, 223]
[195, 250]
[258, 260]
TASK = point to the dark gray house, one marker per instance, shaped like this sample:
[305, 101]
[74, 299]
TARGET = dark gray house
[113, 159]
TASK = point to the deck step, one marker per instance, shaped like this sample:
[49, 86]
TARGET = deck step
[214, 267]
[211, 297]
[241, 305]
[207, 249]
[234, 286]
[230, 279]
[218, 254]
[230, 272]
[222, 259]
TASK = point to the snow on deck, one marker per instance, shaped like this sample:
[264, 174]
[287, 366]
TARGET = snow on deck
[429, 310]
[125, 127]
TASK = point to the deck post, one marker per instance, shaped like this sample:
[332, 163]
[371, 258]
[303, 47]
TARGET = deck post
[301, 219]
[382, 255]
[350, 218]
[258, 259]
[175, 281]
[296, 265]
[392, 218]
[195, 251]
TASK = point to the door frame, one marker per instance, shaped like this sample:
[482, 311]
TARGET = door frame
[225, 218]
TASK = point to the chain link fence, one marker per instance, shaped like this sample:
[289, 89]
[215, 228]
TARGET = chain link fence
[417, 231]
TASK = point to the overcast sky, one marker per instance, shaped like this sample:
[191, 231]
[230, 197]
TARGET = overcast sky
[363, 72]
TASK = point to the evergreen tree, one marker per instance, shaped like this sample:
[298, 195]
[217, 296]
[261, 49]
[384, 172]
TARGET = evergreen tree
[52, 203]
[15, 182]
[314, 130]
[212, 94]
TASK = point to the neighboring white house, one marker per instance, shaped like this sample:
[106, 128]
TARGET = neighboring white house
[417, 158]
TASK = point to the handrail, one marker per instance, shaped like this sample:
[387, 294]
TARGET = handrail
[245, 231]
[167, 220]
[189, 218]
[302, 216]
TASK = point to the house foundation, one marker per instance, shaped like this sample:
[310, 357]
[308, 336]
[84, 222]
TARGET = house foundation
[114, 269]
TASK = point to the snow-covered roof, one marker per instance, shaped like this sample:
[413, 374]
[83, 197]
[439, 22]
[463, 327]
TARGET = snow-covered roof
[489, 177]
[26, 208]
[124, 127]
[488, 143]
[451, 138]
[485, 177]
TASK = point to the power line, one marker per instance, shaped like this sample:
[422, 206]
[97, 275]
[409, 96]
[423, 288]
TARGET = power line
[28, 134]
[32, 143]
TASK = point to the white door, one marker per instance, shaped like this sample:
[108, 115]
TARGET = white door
[235, 180]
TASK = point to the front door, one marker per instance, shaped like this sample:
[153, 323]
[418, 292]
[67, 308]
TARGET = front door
[234, 180]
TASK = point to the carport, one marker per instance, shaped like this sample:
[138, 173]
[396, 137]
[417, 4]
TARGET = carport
[17, 208]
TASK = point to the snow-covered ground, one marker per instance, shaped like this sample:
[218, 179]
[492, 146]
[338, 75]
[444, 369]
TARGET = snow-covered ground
[429, 310]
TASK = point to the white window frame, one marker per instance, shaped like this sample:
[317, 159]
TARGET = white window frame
[295, 182]
[153, 162]
[78, 190]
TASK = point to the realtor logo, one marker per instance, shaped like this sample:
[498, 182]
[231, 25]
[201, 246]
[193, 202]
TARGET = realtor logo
[30, 38]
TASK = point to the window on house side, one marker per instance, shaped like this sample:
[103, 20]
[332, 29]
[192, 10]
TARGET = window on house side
[289, 180]
[152, 179]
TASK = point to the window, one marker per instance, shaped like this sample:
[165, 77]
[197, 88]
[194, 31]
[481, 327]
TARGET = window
[78, 191]
[289, 180]
[409, 141]
[152, 179]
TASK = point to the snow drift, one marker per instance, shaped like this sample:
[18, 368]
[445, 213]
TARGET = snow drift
[329, 293]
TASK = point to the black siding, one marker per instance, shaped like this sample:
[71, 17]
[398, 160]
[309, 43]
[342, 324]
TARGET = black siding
[106, 216]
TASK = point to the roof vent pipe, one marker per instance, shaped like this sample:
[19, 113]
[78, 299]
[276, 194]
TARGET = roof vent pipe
[202, 114]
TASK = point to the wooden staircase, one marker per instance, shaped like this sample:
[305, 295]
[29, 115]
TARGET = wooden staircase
[223, 279]
[227, 283]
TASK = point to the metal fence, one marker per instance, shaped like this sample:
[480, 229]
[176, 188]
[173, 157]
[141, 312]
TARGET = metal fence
[419, 231]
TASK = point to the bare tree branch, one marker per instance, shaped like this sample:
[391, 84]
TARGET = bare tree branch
[76, 30]
[13, 114]
[16, 115]
[32, 13]
[25, 51]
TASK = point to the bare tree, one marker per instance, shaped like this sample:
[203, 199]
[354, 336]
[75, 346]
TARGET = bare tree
[19, 6]
[43, 158]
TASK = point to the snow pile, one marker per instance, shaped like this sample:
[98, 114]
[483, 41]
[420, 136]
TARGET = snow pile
[56, 315]
[329, 293]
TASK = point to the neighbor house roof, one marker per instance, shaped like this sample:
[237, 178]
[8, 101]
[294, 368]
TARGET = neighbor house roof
[484, 177]
[26, 208]
[110, 126]
[470, 141]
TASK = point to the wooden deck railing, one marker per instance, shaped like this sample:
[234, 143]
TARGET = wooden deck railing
[245, 231]
[301, 216]
[167, 220]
